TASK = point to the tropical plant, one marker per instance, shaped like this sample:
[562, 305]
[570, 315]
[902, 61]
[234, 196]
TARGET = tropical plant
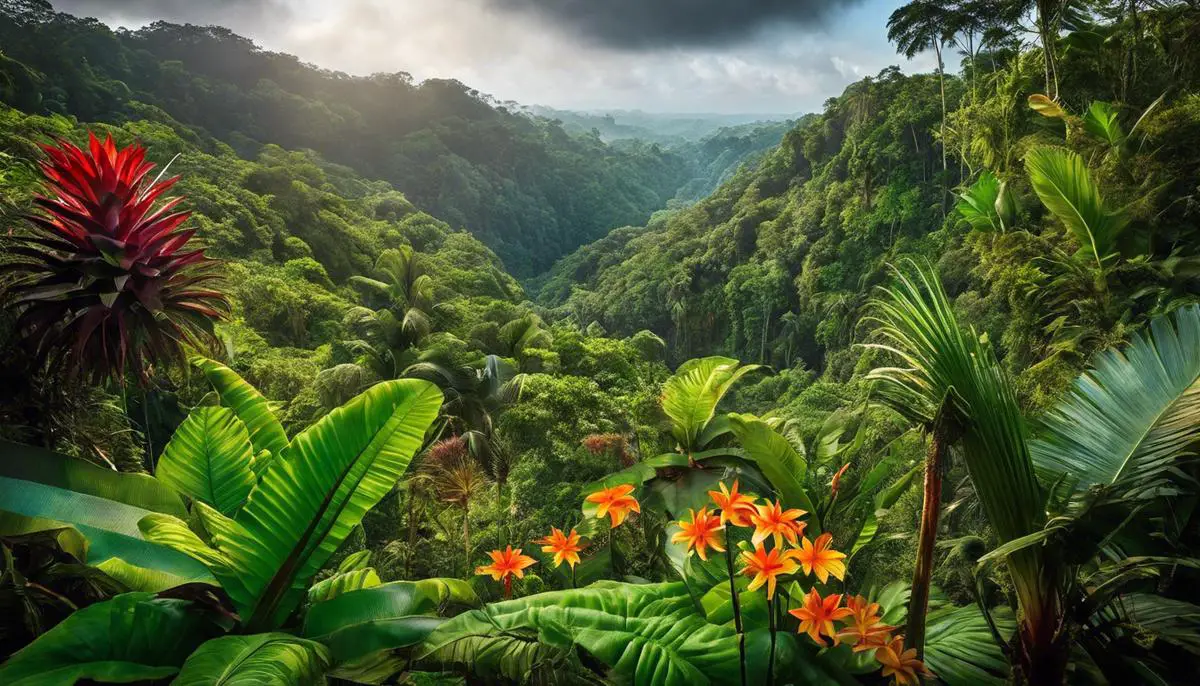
[1058, 580]
[271, 512]
[106, 283]
[988, 204]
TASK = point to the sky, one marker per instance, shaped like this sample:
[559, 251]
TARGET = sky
[718, 56]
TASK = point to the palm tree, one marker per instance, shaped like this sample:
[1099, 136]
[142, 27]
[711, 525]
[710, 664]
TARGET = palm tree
[404, 288]
[925, 25]
[456, 479]
[1106, 452]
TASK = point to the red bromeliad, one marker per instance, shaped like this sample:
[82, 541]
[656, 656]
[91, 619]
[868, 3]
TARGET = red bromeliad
[105, 282]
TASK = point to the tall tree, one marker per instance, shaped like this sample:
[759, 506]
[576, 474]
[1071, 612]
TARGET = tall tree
[925, 25]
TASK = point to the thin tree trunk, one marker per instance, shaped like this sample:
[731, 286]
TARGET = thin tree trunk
[737, 609]
[412, 531]
[942, 87]
[467, 536]
[944, 434]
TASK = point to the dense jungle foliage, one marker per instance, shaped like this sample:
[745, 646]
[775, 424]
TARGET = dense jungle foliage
[913, 396]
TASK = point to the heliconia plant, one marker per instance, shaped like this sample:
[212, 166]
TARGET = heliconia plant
[108, 281]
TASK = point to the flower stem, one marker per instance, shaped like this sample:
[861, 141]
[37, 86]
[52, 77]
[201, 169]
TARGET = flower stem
[772, 604]
[737, 608]
[573, 577]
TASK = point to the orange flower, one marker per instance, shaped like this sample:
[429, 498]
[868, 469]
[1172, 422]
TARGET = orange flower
[703, 532]
[767, 567]
[505, 565]
[736, 508]
[866, 628]
[820, 559]
[770, 519]
[837, 478]
[615, 502]
[818, 615]
[900, 664]
[565, 547]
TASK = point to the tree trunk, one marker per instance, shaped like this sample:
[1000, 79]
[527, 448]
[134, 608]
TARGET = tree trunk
[943, 435]
[467, 537]
[942, 87]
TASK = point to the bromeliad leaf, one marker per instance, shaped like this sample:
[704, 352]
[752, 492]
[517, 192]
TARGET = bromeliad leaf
[209, 458]
[258, 659]
[250, 406]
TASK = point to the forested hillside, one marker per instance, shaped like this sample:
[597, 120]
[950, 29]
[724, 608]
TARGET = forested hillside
[524, 186]
[912, 396]
[777, 265]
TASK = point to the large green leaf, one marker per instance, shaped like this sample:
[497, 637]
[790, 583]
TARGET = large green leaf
[959, 646]
[132, 637]
[690, 397]
[253, 660]
[316, 493]
[646, 633]
[334, 586]
[251, 407]
[1101, 120]
[979, 204]
[1064, 185]
[210, 458]
[102, 505]
[779, 461]
[394, 615]
[1134, 415]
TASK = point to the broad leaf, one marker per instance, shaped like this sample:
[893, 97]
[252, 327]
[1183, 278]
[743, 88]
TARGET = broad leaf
[394, 615]
[254, 660]
[317, 491]
[1046, 107]
[1101, 121]
[690, 397]
[778, 461]
[1065, 186]
[210, 459]
[978, 203]
[132, 637]
[251, 407]
[646, 633]
[1134, 415]
[102, 505]
[339, 583]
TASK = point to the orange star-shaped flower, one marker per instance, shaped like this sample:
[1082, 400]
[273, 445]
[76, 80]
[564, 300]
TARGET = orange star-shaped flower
[900, 664]
[736, 508]
[615, 502]
[818, 614]
[767, 567]
[703, 532]
[566, 547]
[820, 559]
[865, 629]
[770, 519]
[505, 565]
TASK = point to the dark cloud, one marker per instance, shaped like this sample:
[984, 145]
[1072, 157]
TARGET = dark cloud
[642, 24]
[235, 14]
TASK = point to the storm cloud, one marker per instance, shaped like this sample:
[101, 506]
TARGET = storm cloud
[654, 24]
[243, 14]
[727, 56]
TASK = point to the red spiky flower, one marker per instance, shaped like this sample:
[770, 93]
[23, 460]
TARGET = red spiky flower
[105, 282]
